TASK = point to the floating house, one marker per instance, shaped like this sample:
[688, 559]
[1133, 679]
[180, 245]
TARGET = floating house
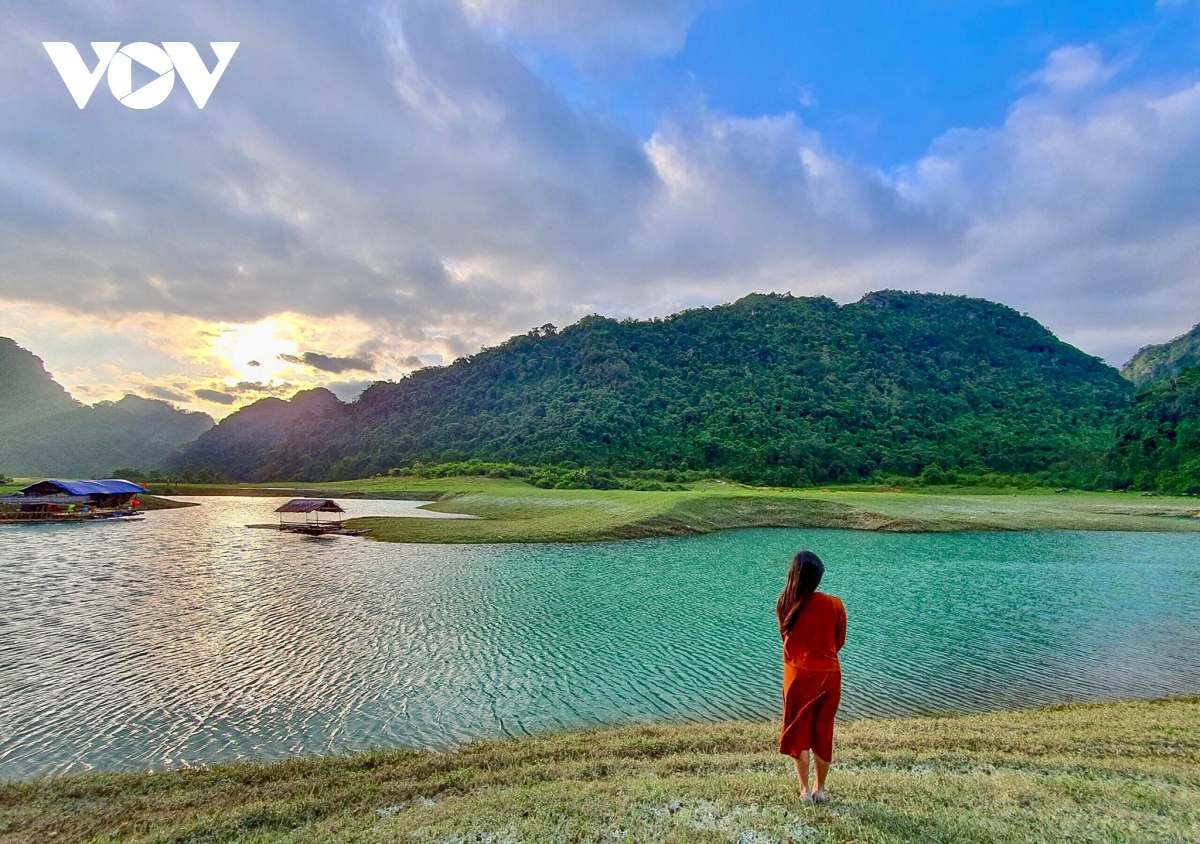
[72, 501]
[310, 509]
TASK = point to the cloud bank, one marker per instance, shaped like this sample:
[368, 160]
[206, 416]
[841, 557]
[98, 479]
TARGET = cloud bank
[330, 363]
[397, 167]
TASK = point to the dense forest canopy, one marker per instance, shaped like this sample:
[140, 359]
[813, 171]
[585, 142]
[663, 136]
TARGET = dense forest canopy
[1158, 439]
[770, 389]
[1164, 360]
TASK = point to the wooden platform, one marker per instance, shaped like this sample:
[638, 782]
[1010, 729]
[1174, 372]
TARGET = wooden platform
[55, 518]
[323, 529]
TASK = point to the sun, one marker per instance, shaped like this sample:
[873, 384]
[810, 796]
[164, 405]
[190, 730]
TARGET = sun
[251, 352]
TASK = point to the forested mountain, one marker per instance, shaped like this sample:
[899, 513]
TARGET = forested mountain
[27, 390]
[771, 388]
[1158, 439]
[43, 431]
[255, 435]
[1164, 360]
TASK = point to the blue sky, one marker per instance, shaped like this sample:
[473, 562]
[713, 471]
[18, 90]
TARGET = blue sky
[377, 185]
[880, 81]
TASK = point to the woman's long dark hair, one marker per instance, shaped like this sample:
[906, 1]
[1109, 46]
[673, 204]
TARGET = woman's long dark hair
[804, 575]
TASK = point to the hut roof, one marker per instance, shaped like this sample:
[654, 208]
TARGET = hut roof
[112, 486]
[19, 500]
[310, 505]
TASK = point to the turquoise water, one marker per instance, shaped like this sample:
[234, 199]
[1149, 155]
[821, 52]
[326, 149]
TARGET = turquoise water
[187, 639]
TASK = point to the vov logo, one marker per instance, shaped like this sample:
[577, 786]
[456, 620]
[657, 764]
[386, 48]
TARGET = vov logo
[118, 61]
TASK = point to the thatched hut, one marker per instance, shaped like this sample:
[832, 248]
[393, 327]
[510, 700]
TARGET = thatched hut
[310, 509]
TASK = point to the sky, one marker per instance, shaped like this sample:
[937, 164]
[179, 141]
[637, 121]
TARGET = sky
[374, 187]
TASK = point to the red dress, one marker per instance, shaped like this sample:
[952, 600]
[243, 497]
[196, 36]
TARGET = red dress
[812, 677]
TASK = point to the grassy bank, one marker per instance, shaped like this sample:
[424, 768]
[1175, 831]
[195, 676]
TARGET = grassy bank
[154, 502]
[1126, 772]
[512, 511]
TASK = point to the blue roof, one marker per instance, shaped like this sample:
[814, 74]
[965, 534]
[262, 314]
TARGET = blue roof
[111, 486]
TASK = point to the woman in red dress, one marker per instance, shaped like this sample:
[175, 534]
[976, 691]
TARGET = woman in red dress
[813, 627]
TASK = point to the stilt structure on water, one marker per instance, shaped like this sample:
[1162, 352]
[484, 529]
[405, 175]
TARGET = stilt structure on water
[311, 525]
[59, 500]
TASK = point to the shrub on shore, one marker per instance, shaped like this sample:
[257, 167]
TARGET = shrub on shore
[565, 475]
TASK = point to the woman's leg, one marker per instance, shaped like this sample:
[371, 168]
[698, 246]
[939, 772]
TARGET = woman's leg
[822, 771]
[822, 739]
[802, 770]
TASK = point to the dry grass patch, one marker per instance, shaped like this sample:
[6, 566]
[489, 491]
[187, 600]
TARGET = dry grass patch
[1127, 772]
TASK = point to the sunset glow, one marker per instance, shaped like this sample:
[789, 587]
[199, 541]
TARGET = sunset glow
[251, 352]
[377, 191]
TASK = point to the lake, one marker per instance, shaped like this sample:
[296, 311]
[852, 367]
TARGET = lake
[188, 639]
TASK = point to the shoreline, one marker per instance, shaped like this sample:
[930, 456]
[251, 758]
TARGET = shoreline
[312, 491]
[514, 512]
[1047, 774]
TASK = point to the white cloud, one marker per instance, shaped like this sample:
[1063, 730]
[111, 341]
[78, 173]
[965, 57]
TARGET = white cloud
[396, 172]
[1075, 68]
[1085, 214]
[1082, 209]
[328, 173]
[656, 27]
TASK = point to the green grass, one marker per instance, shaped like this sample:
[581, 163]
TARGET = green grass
[154, 502]
[513, 511]
[13, 486]
[519, 513]
[1126, 772]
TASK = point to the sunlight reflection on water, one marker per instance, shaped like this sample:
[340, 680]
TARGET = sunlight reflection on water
[187, 638]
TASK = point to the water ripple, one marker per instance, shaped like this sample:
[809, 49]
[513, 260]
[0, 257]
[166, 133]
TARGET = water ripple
[189, 639]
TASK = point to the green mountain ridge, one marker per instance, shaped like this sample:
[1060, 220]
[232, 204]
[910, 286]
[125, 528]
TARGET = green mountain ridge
[1164, 360]
[769, 389]
[1157, 443]
[45, 432]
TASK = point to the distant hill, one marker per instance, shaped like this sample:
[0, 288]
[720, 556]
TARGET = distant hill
[1164, 360]
[254, 435]
[27, 390]
[1158, 439]
[771, 389]
[43, 431]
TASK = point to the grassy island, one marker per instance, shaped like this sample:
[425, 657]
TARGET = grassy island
[1122, 772]
[512, 511]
